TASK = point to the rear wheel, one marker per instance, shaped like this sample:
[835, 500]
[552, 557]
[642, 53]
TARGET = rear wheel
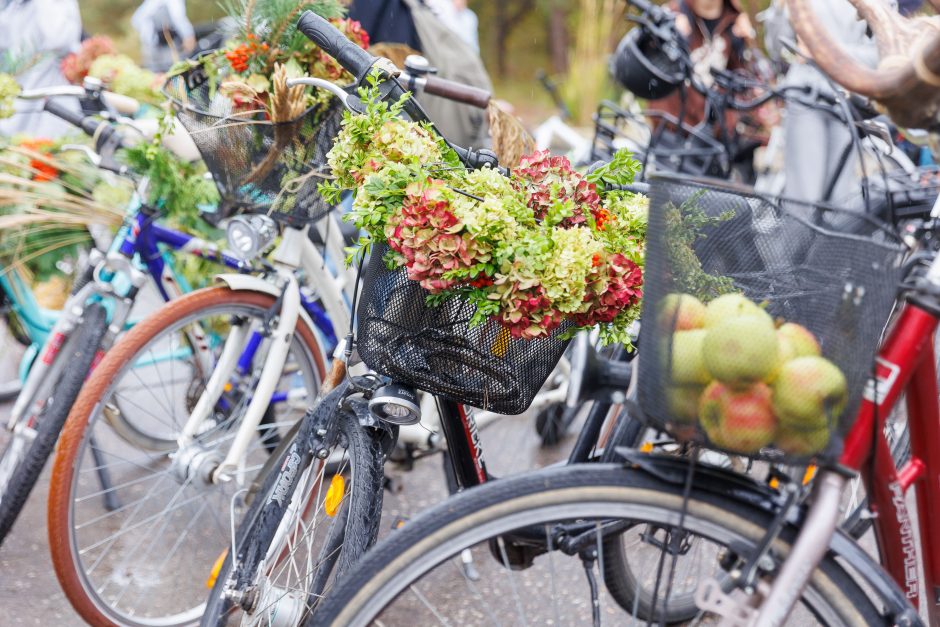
[135, 520]
[537, 540]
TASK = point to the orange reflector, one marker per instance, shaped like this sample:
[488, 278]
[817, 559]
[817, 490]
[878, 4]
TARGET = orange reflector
[774, 483]
[501, 344]
[334, 496]
[214, 574]
[227, 387]
[646, 447]
[809, 474]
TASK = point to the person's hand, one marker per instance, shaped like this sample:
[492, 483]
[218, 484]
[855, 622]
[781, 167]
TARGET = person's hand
[743, 27]
[683, 25]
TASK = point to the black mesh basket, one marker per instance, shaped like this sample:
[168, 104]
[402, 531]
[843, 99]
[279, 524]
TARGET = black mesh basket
[258, 166]
[436, 350]
[761, 318]
[659, 140]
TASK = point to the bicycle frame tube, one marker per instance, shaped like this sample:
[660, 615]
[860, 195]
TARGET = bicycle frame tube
[905, 364]
[463, 443]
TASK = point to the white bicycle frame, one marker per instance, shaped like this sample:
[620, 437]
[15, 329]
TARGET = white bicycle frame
[295, 252]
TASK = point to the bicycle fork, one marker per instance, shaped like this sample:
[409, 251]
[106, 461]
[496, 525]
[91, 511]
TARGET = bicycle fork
[780, 596]
[279, 347]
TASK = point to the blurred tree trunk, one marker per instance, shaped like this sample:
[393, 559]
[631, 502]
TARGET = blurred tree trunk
[588, 74]
[558, 38]
[509, 13]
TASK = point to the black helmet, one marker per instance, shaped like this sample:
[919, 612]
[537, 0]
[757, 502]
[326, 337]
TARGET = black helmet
[641, 65]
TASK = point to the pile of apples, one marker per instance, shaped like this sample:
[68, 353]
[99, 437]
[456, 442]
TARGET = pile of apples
[748, 382]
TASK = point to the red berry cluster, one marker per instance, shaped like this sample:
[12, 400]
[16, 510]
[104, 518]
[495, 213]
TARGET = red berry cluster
[240, 56]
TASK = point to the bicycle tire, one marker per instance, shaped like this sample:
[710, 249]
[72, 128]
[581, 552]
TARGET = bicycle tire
[66, 465]
[607, 492]
[65, 390]
[261, 523]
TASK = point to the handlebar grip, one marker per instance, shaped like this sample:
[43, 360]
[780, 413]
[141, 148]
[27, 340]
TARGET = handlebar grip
[75, 118]
[353, 58]
[457, 92]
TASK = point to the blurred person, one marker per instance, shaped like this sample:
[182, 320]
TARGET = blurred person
[720, 36]
[160, 24]
[430, 27]
[35, 35]
[815, 140]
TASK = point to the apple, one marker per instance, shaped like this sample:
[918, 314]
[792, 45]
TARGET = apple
[809, 393]
[688, 365]
[802, 342]
[681, 312]
[739, 421]
[793, 341]
[729, 306]
[801, 443]
[682, 402]
[741, 350]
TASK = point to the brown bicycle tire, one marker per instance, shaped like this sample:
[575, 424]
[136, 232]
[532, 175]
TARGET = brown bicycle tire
[58, 506]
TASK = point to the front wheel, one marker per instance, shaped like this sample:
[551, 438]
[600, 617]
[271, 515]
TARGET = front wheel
[537, 542]
[309, 524]
[34, 436]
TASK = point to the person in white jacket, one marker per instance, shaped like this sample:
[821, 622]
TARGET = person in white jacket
[35, 35]
[154, 20]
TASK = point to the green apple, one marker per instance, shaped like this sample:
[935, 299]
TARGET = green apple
[801, 443]
[729, 306]
[688, 365]
[810, 393]
[680, 312]
[741, 350]
[739, 421]
[802, 342]
[682, 402]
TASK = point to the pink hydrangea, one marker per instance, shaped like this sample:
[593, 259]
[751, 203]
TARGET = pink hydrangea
[543, 173]
[621, 289]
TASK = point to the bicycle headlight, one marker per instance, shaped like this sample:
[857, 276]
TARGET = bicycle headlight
[249, 235]
[396, 404]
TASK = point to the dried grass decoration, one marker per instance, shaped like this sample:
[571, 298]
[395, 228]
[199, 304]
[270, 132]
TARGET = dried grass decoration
[288, 105]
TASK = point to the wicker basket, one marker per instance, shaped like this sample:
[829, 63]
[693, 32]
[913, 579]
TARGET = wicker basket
[258, 166]
[768, 350]
[435, 349]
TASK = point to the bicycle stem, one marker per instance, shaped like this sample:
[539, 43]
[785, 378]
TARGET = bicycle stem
[810, 547]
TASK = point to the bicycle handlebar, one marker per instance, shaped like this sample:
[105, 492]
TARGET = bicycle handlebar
[358, 62]
[451, 90]
[354, 59]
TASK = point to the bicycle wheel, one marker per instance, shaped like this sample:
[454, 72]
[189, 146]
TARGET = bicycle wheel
[35, 435]
[312, 520]
[134, 530]
[536, 541]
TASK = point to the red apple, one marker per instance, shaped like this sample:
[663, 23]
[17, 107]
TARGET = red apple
[741, 350]
[739, 421]
[809, 394]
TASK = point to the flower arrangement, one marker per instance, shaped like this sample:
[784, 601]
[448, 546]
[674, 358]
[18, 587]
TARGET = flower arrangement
[9, 90]
[267, 49]
[531, 250]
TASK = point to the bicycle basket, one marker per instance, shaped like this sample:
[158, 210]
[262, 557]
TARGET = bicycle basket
[435, 349]
[258, 166]
[761, 318]
[659, 140]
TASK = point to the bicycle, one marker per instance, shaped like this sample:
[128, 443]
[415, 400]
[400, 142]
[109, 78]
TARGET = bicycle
[712, 540]
[113, 280]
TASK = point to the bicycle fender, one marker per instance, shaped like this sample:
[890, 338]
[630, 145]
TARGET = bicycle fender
[250, 283]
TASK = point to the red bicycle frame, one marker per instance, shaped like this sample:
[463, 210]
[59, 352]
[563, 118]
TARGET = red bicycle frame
[905, 364]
